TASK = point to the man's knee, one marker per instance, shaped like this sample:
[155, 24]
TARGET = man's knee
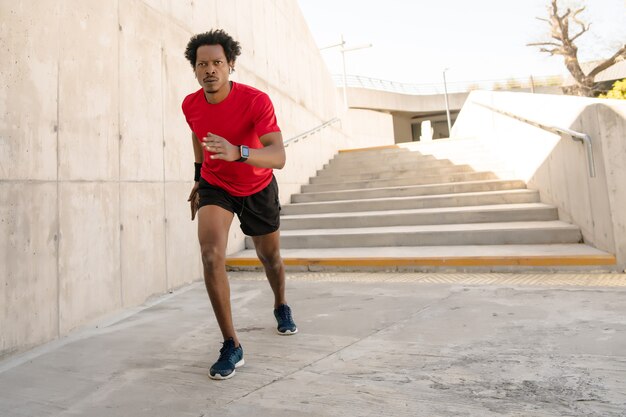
[271, 260]
[212, 257]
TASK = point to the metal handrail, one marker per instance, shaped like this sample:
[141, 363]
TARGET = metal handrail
[581, 137]
[530, 83]
[310, 131]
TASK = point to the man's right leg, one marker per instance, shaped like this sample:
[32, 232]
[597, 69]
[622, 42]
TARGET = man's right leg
[213, 226]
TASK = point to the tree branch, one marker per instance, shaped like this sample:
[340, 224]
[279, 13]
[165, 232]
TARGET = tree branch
[577, 35]
[557, 50]
[551, 51]
[575, 18]
[618, 56]
[543, 43]
[584, 28]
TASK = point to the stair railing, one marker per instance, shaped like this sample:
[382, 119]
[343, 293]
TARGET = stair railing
[581, 137]
[310, 131]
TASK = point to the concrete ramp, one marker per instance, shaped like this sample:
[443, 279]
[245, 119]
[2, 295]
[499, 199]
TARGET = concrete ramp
[396, 208]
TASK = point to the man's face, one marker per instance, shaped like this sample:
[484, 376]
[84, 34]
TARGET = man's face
[212, 69]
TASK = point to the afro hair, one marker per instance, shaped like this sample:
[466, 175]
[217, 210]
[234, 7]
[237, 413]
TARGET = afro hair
[232, 48]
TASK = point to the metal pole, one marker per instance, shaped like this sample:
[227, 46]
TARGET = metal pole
[345, 82]
[445, 89]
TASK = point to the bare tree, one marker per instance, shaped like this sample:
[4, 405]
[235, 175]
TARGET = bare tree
[563, 44]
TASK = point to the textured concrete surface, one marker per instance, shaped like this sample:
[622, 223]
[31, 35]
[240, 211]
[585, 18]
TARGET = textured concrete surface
[370, 344]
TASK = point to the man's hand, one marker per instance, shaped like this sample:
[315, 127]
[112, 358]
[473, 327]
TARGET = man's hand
[194, 200]
[220, 148]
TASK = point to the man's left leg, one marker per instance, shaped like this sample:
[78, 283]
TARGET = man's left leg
[268, 250]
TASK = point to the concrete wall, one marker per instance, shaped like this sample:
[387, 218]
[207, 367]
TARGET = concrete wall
[95, 155]
[394, 102]
[402, 129]
[555, 164]
[370, 127]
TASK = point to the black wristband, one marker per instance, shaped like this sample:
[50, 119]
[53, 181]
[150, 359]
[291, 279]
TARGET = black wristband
[198, 166]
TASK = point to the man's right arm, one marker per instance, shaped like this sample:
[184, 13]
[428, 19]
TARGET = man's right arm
[197, 149]
[194, 198]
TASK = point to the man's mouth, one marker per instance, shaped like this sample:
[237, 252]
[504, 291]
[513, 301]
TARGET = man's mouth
[209, 80]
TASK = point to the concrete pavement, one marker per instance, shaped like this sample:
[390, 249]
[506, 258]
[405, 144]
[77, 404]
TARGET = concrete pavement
[370, 344]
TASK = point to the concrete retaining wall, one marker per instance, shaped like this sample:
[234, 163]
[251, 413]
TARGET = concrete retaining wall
[96, 157]
[555, 164]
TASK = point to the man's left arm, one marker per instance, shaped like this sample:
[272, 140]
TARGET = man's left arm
[271, 155]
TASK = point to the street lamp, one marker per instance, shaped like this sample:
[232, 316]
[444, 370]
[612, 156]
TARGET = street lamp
[445, 90]
[343, 51]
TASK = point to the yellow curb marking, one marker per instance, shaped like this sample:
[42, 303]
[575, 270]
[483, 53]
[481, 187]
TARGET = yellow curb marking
[589, 260]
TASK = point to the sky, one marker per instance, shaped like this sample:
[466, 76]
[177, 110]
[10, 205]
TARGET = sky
[413, 41]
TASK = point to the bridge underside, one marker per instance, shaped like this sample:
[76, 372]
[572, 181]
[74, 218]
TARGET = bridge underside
[413, 115]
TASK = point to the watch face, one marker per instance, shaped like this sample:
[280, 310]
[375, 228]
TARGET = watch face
[245, 152]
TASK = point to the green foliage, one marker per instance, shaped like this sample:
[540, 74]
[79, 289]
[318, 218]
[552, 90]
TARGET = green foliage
[618, 91]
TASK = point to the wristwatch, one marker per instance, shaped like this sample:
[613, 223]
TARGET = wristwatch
[244, 151]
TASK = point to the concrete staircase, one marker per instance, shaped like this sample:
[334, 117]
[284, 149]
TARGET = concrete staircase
[394, 208]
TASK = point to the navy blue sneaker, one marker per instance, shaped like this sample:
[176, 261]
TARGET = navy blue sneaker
[231, 357]
[286, 326]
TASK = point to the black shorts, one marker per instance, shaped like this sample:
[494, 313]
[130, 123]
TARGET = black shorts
[259, 213]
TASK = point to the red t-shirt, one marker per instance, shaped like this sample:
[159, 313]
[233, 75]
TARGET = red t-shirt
[242, 118]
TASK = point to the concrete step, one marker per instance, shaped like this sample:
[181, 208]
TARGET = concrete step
[398, 182]
[350, 168]
[396, 208]
[406, 191]
[404, 203]
[451, 258]
[470, 152]
[372, 156]
[447, 215]
[375, 158]
[364, 153]
[542, 232]
[364, 174]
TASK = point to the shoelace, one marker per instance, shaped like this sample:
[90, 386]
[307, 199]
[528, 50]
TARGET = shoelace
[226, 351]
[285, 314]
